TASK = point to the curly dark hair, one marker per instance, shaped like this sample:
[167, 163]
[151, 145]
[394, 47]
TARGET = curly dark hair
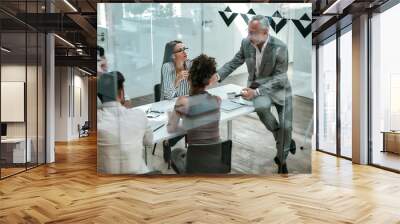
[202, 69]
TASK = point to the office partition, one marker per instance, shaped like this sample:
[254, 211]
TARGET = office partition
[384, 88]
[134, 37]
[22, 77]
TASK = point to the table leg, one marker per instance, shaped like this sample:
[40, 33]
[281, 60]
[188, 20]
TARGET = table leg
[145, 154]
[230, 129]
[384, 142]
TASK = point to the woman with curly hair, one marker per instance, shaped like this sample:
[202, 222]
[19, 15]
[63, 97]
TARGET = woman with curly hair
[200, 111]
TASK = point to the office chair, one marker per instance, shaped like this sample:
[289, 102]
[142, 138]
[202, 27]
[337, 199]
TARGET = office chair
[209, 158]
[84, 130]
[157, 98]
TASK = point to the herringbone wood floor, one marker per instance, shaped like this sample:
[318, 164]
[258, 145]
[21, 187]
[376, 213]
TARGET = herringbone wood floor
[70, 191]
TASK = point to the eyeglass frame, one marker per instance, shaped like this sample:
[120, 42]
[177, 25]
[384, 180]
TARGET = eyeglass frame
[181, 50]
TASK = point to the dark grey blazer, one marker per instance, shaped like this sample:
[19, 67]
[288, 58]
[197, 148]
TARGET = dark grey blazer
[273, 69]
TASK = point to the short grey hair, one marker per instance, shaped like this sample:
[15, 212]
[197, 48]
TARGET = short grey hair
[264, 22]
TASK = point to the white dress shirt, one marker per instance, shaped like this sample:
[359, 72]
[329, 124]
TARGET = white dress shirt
[121, 136]
[259, 55]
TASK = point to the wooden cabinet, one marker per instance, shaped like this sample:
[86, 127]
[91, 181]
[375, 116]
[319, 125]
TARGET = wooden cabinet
[391, 142]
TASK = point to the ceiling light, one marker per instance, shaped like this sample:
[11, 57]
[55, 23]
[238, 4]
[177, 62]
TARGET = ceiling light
[70, 5]
[65, 41]
[86, 72]
[332, 7]
[5, 50]
[337, 7]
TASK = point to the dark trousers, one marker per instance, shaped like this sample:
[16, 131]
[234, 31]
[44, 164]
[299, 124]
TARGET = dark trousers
[172, 142]
[282, 131]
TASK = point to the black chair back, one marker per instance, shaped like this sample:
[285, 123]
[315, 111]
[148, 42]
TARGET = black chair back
[209, 158]
[86, 125]
[157, 93]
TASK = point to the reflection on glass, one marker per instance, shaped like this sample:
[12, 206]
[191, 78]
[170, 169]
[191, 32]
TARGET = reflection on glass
[15, 150]
[385, 86]
[327, 97]
[346, 94]
[31, 101]
[41, 150]
[22, 92]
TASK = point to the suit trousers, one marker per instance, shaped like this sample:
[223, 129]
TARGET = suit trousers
[281, 130]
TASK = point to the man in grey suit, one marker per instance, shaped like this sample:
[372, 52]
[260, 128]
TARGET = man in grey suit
[266, 58]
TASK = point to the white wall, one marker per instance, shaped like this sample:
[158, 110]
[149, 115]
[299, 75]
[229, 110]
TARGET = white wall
[33, 126]
[69, 82]
[16, 73]
[61, 103]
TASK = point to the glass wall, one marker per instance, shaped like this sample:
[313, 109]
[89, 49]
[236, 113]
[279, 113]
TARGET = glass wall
[134, 37]
[141, 31]
[13, 88]
[22, 93]
[346, 93]
[328, 108]
[385, 89]
[327, 96]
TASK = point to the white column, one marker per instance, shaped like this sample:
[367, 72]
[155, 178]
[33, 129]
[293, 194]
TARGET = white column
[360, 90]
[50, 100]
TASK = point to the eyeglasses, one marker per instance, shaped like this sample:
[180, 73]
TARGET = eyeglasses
[181, 49]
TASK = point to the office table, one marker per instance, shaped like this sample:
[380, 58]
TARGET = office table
[168, 105]
[13, 150]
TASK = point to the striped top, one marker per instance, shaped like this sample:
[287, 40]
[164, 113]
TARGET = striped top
[168, 76]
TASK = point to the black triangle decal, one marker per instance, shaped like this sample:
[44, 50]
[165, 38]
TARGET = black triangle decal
[245, 18]
[271, 22]
[251, 11]
[305, 17]
[280, 25]
[303, 30]
[227, 20]
[277, 14]
[277, 26]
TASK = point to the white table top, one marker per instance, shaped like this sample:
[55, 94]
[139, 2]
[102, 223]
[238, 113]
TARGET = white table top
[14, 140]
[168, 105]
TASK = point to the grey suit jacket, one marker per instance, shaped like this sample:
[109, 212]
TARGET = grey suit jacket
[273, 69]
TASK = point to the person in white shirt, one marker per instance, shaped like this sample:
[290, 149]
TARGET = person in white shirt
[122, 132]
